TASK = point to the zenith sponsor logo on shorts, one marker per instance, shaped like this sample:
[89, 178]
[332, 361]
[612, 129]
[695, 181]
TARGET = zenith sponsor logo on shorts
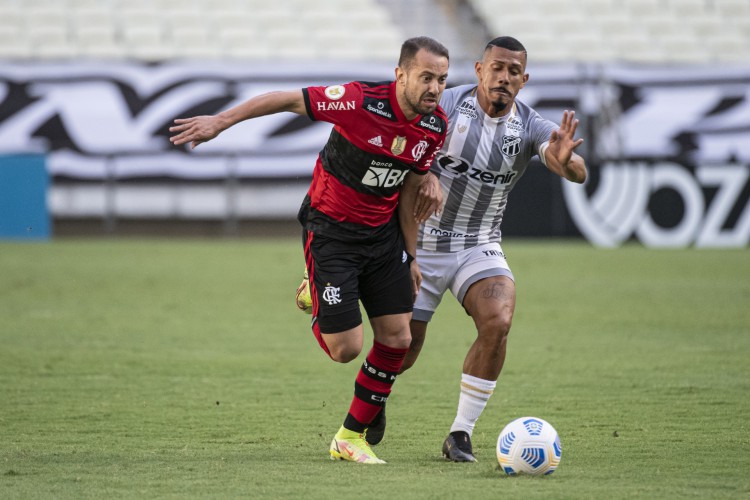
[440, 232]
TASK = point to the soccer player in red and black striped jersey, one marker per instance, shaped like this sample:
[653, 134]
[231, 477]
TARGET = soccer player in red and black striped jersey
[360, 215]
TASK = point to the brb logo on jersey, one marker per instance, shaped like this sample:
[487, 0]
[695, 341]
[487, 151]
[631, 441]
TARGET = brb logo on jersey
[382, 174]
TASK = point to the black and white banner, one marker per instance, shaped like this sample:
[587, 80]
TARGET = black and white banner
[668, 149]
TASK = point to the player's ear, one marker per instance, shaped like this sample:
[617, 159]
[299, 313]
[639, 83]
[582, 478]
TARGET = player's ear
[525, 79]
[478, 69]
[400, 75]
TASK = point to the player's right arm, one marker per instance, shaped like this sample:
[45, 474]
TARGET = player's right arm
[409, 225]
[199, 129]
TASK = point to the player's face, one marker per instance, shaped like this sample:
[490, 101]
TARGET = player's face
[501, 74]
[421, 84]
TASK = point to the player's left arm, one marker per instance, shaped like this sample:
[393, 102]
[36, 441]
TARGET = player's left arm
[559, 155]
[407, 202]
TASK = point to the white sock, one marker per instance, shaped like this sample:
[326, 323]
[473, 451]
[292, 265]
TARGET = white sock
[475, 392]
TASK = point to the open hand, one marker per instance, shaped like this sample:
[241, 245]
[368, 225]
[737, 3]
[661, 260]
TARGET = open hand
[561, 141]
[195, 130]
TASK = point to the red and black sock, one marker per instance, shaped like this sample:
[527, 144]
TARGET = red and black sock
[373, 385]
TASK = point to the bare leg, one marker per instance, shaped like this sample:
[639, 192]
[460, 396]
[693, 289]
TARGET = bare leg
[344, 346]
[491, 303]
[418, 333]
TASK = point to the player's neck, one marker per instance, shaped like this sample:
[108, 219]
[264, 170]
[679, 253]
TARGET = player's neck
[408, 112]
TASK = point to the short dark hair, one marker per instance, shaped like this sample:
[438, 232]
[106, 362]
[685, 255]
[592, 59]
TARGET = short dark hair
[410, 48]
[506, 42]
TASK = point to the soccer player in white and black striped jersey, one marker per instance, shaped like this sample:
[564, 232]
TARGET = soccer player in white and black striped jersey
[492, 136]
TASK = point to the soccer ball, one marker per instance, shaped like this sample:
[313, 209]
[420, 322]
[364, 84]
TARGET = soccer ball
[529, 445]
[303, 298]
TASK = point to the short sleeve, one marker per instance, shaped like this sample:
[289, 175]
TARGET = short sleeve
[448, 99]
[335, 104]
[423, 166]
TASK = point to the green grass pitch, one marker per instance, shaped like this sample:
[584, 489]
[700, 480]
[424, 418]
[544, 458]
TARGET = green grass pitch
[181, 369]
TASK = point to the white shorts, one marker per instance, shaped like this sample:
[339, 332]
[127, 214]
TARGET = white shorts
[457, 271]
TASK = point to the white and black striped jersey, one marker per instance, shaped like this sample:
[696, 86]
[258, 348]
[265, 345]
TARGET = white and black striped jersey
[480, 162]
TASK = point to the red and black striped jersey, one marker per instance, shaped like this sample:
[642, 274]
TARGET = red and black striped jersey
[359, 172]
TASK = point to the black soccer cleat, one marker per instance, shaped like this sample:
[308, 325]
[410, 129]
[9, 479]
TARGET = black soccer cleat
[457, 447]
[376, 431]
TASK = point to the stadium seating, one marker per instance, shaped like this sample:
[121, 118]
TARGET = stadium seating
[649, 31]
[154, 30]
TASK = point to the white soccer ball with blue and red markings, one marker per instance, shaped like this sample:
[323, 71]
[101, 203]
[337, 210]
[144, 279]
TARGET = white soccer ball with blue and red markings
[529, 445]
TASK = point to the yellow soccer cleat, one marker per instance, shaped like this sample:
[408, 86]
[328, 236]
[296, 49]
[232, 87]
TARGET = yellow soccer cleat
[303, 298]
[351, 446]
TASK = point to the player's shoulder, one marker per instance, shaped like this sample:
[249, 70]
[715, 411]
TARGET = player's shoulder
[454, 97]
[525, 111]
[527, 115]
[375, 89]
[459, 91]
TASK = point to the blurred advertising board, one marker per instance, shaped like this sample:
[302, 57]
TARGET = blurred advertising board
[668, 148]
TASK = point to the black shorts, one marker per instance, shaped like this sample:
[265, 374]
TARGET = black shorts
[343, 273]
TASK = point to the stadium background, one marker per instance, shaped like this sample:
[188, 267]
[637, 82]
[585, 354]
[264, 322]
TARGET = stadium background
[89, 87]
[139, 367]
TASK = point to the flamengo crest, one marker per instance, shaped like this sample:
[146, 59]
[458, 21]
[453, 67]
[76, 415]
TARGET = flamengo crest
[332, 294]
[419, 150]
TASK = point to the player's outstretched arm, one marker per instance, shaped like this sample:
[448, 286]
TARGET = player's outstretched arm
[560, 156]
[199, 129]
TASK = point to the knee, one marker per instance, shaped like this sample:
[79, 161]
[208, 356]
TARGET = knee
[496, 327]
[343, 353]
